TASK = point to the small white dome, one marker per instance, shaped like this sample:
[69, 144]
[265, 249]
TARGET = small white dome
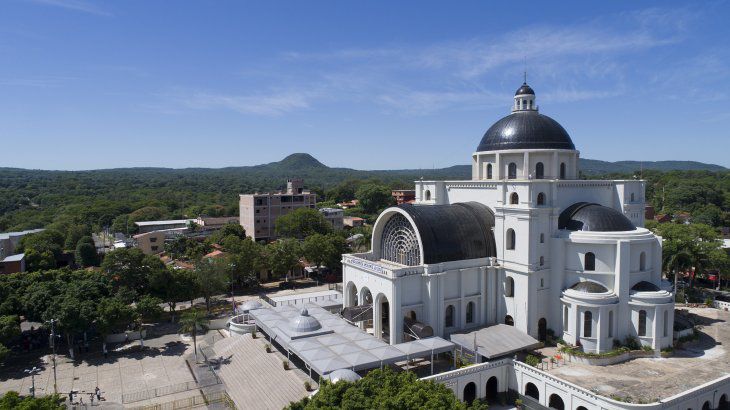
[343, 374]
[305, 323]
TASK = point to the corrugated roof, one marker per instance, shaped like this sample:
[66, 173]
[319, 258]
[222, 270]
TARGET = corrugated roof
[496, 341]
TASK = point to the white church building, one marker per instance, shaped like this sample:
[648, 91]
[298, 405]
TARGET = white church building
[524, 243]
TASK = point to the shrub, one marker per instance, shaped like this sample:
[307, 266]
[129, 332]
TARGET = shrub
[532, 360]
[518, 403]
[632, 343]
[253, 334]
[708, 302]
[268, 348]
[308, 385]
[286, 365]
[647, 348]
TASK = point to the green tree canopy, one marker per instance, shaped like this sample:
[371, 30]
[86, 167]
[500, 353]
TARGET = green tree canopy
[374, 197]
[301, 223]
[211, 277]
[230, 229]
[9, 328]
[14, 401]
[283, 255]
[384, 389]
[86, 254]
[131, 269]
[246, 258]
[174, 286]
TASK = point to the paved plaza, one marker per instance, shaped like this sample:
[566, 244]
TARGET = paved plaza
[649, 379]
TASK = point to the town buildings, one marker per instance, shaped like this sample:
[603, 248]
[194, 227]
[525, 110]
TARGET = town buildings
[334, 216]
[404, 196]
[523, 243]
[259, 211]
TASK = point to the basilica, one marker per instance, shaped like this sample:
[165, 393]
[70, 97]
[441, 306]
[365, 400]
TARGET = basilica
[524, 242]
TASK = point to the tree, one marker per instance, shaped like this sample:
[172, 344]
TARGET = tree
[191, 322]
[4, 352]
[211, 276]
[14, 401]
[86, 254]
[148, 308]
[75, 315]
[42, 249]
[301, 223]
[174, 286]
[324, 250]
[374, 197]
[9, 328]
[229, 229]
[131, 268]
[111, 315]
[245, 258]
[186, 248]
[384, 389]
[283, 255]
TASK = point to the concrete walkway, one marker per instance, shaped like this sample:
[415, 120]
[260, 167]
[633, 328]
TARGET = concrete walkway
[256, 378]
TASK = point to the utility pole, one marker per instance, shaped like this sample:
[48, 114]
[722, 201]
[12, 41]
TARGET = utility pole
[32, 373]
[53, 357]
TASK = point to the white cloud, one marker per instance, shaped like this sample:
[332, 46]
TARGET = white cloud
[271, 104]
[76, 5]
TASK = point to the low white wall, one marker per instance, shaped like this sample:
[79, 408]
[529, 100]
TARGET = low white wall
[721, 305]
[121, 337]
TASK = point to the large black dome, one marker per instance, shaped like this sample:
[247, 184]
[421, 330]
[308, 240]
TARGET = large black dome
[585, 216]
[525, 89]
[526, 130]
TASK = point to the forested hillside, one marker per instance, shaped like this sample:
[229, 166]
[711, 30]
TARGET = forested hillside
[90, 200]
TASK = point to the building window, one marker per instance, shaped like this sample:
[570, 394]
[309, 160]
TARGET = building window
[542, 260]
[632, 197]
[512, 170]
[258, 210]
[610, 323]
[514, 199]
[542, 282]
[427, 195]
[642, 323]
[489, 171]
[665, 323]
[587, 324]
[153, 240]
[449, 318]
[566, 317]
[399, 242]
[539, 171]
[540, 199]
[589, 262]
[642, 261]
[509, 287]
[511, 239]
[542, 238]
[470, 312]
[154, 248]
[562, 170]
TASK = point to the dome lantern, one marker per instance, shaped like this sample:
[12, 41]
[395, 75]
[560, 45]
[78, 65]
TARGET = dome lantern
[524, 98]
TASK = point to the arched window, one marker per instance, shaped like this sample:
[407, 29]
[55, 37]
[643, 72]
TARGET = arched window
[556, 402]
[514, 199]
[509, 321]
[470, 312]
[427, 195]
[532, 391]
[562, 170]
[610, 323]
[400, 242]
[509, 287]
[632, 197]
[512, 170]
[642, 261]
[540, 199]
[587, 324]
[566, 317]
[449, 318]
[665, 323]
[411, 316]
[542, 238]
[470, 393]
[589, 262]
[511, 239]
[542, 260]
[539, 171]
[489, 171]
[642, 323]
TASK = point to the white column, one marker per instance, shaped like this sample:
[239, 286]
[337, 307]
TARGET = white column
[497, 169]
[621, 287]
[555, 171]
[526, 165]
[599, 333]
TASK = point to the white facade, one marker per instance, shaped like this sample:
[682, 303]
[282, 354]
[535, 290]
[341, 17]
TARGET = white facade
[533, 281]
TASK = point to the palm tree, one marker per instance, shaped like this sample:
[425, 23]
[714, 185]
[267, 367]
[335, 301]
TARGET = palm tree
[673, 262]
[191, 322]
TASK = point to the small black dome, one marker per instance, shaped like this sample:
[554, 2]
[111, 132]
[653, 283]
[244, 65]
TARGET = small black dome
[525, 130]
[525, 89]
[589, 287]
[645, 286]
[585, 216]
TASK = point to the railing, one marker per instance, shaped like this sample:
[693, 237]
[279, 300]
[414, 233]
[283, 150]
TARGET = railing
[203, 399]
[134, 397]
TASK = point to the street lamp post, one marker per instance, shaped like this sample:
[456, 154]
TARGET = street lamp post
[53, 357]
[32, 373]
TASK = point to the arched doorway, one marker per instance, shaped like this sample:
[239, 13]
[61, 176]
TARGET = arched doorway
[581, 408]
[509, 321]
[542, 330]
[706, 406]
[531, 391]
[724, 404]
[556, 402]
[381, 318]
[492, 389]
[366, 299]
[352, 295]
[470, 392]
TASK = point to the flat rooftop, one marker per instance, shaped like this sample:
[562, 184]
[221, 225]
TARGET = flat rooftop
[649, 379]
[167, 222]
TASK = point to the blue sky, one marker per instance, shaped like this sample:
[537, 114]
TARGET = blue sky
[368, 85]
